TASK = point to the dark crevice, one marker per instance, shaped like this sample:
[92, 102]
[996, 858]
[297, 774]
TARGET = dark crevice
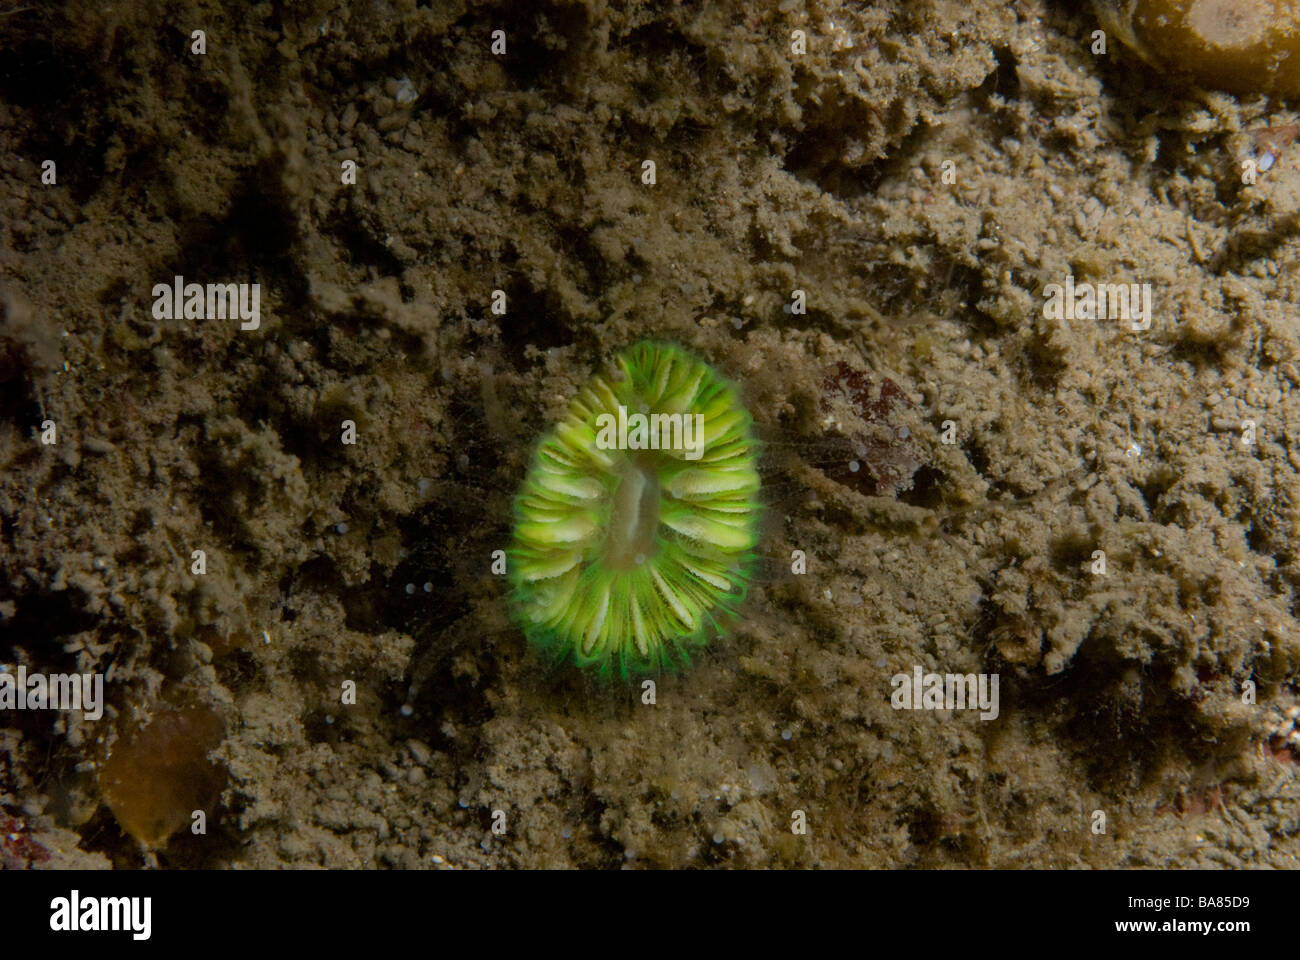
[1004, 81]
[927, 488]
[44, 617]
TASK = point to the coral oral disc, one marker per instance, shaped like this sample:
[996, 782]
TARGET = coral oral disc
[636, 525]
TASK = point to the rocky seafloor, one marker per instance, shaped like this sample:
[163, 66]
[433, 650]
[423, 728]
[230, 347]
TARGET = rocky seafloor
[922, 172]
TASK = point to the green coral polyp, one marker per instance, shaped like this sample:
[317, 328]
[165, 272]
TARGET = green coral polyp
[626, 558]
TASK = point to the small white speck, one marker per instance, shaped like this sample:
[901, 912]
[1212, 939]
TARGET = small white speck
[428, 587]
[405, 91]
[1133, 451]
[340, 528]
[904, 433]
[787, 733]
[407, 710]
[266, 638]
[639, 559]
[410, 588]
[854, 466]
[827, 593]
[329, 718]
[718, 837]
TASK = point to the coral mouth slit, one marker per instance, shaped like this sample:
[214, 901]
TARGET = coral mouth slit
[635, 518]
[625, 558]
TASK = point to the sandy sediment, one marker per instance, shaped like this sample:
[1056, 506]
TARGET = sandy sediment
[922, 172]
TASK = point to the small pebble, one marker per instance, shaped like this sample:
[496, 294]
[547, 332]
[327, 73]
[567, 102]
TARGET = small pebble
[1241, 46]
[405, 92]
[419, 752]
